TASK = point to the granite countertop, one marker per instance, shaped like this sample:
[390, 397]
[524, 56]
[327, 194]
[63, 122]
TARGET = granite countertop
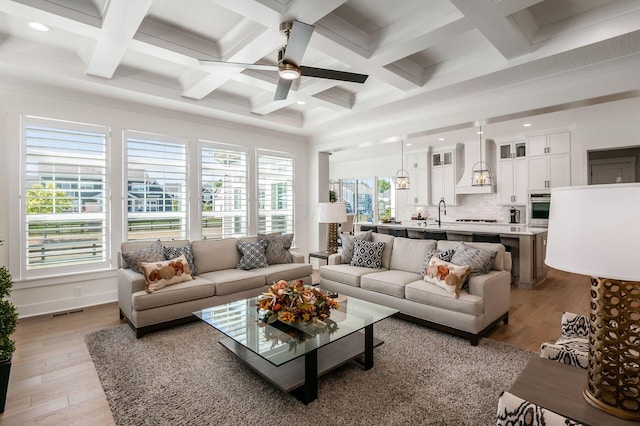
[470, 227]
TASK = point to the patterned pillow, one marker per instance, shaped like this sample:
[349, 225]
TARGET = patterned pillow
[278, 248]
[479, 259]
[154, 252]
[161, 274]
[173, 252]
[442, 255]
[367, 254]
[348, 244]
[446, 275]
[253, 254]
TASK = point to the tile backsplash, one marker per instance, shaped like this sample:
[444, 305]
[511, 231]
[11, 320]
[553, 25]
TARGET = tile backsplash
[475, 206]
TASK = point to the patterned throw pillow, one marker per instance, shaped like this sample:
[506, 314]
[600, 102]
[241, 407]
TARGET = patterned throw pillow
[278, 248]
[154, 252]
[173, 252]
[161, 274]
[348, 244]
[253, 254]
[367, 254]
[442, 255]
[446, 275]
[479, 259]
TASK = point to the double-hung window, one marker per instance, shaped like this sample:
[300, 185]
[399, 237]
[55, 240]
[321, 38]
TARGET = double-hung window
[275, 192]
[223, 182]
[156, 187]
[64, 188]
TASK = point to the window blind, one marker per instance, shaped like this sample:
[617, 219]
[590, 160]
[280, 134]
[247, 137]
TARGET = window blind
[275, 193]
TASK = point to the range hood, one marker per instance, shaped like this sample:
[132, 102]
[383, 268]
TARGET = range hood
[471, 157]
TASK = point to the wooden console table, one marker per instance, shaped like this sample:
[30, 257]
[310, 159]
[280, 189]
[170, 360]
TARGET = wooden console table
[558, 387]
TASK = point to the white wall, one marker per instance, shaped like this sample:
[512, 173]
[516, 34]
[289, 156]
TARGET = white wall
[34, 297]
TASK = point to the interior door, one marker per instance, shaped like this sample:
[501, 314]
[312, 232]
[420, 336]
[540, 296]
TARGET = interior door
[607, 171]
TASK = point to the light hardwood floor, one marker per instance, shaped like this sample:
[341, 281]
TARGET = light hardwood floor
[54, 382]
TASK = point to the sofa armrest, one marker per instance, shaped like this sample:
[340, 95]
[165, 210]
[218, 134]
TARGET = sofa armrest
[495, 290]
[508, 261]
[129, 282]
[334, 259]
[296, 257]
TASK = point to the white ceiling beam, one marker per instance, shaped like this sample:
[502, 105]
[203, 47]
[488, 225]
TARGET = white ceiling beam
[501, 31]
[254, 10]
[310, 12]
[264, 103]
[122, 19]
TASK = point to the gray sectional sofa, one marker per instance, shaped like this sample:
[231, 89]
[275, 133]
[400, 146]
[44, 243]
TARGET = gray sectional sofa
[217, 281]
[398, 284]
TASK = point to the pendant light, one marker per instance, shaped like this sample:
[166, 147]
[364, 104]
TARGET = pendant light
[402, 176]
[481, 174]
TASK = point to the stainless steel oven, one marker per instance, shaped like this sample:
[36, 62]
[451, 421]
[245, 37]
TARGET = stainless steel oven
[539, 203]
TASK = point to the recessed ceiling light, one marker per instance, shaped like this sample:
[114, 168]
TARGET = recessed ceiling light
[39, 26]
[440, 139]
[301, 102]
[526, 125]
[408, 144]
[479, 133]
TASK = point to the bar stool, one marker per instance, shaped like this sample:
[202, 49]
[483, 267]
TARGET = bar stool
[399, 232]
[372, 228]
[434, 235]
[485, 238]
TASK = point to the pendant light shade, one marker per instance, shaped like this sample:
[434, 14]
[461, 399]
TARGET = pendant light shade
[481, 173]
[402, 176]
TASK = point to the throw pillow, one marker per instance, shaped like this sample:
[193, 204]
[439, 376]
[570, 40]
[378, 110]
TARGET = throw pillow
[348, 244]
[479, 259]
[154, 252]
[161, 274]
[442, 255]
[187, 251]
[253, 254]
[446, 275]
[278, 248]
[367, 254]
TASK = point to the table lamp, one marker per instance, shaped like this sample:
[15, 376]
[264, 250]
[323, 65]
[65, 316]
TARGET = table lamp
[333, 214]
[595, 230]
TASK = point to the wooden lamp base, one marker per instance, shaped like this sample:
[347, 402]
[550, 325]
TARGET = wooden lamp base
[332, 238]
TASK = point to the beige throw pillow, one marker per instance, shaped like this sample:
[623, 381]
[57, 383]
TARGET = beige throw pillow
[161, 274]
[446, 275]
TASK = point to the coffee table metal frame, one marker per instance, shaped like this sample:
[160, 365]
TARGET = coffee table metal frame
[296, 371]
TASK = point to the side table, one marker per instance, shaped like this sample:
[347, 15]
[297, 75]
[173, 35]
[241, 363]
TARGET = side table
[323, 255]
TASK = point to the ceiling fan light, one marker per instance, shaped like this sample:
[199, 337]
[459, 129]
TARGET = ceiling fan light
[288, 71]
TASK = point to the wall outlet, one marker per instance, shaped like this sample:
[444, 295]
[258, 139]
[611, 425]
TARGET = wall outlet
[77, 291]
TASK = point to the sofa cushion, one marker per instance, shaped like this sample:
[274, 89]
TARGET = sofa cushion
[345, 274]
[153, 252]
[446, 275]
[498, 262]
[278, 246]
[348, 242]
[162, 274]
[285, 271]
[432, 295]
[388, 247]
[173, 252]
[445, 255]
[479, 259]
[367, 254]
[253, 255]
[407, 254]
[215, 255]
[198, 288]
[229, 281]
[388, 282]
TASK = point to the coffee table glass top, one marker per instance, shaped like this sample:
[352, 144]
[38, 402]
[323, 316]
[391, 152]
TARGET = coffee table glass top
[280, 343]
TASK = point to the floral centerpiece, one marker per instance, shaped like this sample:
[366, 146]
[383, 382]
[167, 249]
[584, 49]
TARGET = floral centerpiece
[294, 302]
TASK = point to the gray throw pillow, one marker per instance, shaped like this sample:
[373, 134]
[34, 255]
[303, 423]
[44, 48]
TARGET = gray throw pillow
[253, 254]
[154, 252]
[480, 260]
[445, 255]
[278, 248]
[175, 252]
[367, 254]
[348, 244]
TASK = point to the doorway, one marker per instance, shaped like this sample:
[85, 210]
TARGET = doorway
[613, 166]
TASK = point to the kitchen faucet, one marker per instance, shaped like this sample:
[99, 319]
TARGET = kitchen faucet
[441, 203]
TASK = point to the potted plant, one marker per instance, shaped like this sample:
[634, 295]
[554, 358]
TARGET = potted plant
[8, 322]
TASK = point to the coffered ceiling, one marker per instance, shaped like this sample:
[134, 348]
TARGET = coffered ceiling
[432, 64]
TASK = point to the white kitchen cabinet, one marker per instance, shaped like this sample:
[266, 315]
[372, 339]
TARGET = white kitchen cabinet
[512, 181]
[416, 166]
[549, 171]
[443, 185]
[554, 143]
[516, 149]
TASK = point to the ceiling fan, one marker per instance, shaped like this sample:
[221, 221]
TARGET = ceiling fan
[289, 58]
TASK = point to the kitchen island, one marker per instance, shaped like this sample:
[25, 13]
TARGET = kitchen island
[526, 244]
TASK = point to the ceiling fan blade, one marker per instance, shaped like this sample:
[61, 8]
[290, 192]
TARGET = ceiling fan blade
[333, 74]
[261, 67]
[299, 37]
[282, 90]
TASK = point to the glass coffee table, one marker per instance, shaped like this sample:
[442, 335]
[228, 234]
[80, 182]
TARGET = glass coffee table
[292, 357]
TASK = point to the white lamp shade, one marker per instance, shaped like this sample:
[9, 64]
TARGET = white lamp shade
[332, 213]
[595, 230]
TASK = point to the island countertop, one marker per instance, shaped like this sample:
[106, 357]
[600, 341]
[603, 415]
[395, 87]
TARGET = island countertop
[467, 228]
